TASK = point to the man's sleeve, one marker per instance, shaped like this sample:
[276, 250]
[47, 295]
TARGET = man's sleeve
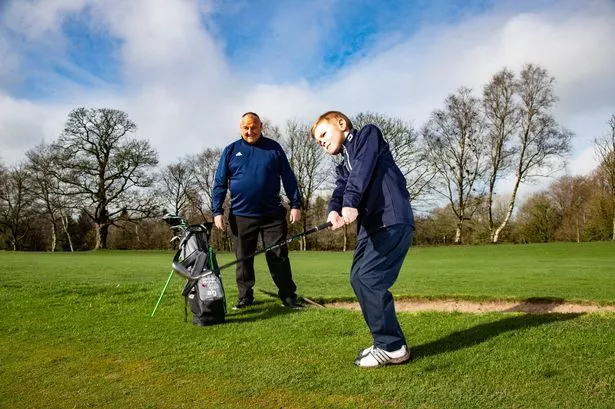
[363, 164]
[289, 181]
[220, 185]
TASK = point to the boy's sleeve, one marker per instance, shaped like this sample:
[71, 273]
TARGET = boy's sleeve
[220, 186]
[363, 164]
[335, 204]
[289, 181]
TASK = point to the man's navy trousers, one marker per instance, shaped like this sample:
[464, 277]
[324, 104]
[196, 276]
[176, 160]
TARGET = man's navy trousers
[376, 263]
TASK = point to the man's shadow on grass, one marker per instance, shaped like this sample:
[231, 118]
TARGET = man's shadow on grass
[483, 332]
[259, 310]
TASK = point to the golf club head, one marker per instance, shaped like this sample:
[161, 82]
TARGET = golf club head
[181, 270]
[173, 220]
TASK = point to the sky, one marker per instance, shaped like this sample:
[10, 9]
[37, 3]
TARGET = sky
[185, 70]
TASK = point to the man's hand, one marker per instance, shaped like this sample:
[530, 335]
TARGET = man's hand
[295, 215]
[219, 221]
[349, 214]
[335, 219]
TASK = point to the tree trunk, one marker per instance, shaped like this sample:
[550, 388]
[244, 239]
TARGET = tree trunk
[511, 206]
[64, 220]
[102, 233]
[458, 233]
[496, 234]
[53, 237]
[303, 241]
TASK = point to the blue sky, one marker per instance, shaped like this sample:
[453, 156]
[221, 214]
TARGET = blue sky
[345, 30]
[185, 70]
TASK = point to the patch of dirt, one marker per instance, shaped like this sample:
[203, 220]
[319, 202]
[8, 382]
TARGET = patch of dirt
[486, 306]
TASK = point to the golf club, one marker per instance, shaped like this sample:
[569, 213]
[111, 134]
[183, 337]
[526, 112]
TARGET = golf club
[180, 225]
[182, 271]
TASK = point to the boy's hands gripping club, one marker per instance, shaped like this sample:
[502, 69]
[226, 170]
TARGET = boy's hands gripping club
[349, 215]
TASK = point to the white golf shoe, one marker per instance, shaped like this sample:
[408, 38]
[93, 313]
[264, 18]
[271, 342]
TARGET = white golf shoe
[373, 357]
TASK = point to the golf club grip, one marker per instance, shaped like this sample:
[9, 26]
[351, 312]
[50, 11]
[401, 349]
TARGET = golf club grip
[317, 228]
[324, 226]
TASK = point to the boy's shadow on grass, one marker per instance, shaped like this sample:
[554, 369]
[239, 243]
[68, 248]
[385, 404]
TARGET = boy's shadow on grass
[481, 333]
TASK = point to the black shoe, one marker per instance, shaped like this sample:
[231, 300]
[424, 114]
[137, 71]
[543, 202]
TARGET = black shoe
[242, 303]
[292, 303]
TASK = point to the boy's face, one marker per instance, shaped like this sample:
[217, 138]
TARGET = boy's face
[330, 134]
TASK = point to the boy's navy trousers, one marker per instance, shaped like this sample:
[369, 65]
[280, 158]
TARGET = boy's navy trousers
[376, 263]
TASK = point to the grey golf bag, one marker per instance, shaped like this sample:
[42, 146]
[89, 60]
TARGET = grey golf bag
[196, 261]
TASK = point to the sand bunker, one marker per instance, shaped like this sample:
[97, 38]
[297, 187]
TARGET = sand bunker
[486, 306]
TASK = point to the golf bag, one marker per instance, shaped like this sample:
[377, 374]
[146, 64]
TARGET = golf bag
[203, 290]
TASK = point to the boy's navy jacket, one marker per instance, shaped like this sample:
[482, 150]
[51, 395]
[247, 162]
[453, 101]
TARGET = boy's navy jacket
[252, 174]
[369, 180]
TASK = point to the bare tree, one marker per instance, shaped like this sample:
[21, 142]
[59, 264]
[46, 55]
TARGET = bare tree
[3, 203]
[605, 151]
[176, 185]
[540, 141]
[309, 163]
[538, 218]
[205, 165]
[271, 130]
[455, 149]
[15, 204]
[407, 150]
[571, 196]
[502, 120]
[48, 191]
[105, 168]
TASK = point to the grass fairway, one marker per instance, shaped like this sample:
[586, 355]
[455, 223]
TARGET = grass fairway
[76, 332]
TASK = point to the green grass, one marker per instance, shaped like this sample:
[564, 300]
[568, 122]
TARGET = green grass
[76, 331]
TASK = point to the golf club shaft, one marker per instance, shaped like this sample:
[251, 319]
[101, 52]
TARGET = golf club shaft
[285, 242]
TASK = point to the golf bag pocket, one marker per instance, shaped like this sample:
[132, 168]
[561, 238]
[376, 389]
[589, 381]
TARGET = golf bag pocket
[205, 296]
[207, 308]
[210, 287]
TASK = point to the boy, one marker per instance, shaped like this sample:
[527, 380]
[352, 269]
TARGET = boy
[371, 189]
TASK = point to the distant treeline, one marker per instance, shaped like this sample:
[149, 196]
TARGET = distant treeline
[99, 186]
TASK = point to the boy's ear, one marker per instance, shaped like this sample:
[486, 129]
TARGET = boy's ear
[341, 122]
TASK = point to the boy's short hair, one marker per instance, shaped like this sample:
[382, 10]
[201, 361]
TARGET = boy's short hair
[329, 116]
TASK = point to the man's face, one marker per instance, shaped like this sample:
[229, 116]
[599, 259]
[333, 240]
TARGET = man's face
[250, 129]
[330, 134]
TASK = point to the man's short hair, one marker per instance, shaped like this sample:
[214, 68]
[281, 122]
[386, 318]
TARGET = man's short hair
[250, 113]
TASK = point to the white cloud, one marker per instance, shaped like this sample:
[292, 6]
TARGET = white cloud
[23, 125]
[179, 88]
[40, 20]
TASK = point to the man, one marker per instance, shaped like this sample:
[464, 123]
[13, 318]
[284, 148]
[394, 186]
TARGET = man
[251, 168]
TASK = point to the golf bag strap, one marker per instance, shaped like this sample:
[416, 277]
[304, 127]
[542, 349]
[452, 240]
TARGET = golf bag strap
[197, 268]
[177, 254]
[198, 263]
[188, 260]
[185, 309]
